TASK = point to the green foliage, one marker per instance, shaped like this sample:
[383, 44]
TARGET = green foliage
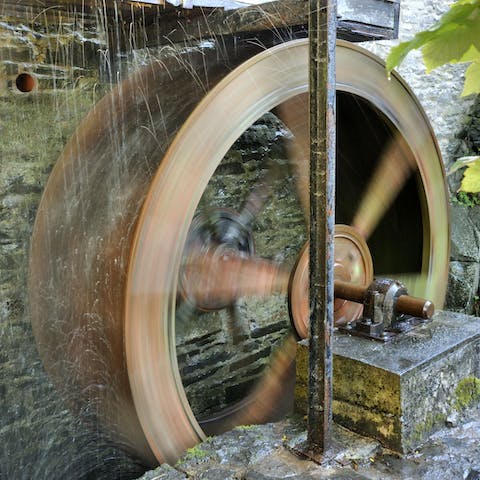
[472, 79]
[196, 452]
[471, 179]
[245, 427]
[455, 38]
[467, 199]
[463, 162]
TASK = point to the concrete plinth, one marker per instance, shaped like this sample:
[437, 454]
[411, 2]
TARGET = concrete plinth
[400, 393]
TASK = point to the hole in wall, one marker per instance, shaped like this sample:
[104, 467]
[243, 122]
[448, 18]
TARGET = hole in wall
[25, 82]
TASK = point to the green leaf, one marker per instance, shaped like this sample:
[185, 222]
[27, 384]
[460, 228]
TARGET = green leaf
[449, 45]
[472, 79]
[397, 54]
[471, 178]
[462, 162]
[471, 55]
[475, 26]
[465, 2]
[459, 13]
[446, 41]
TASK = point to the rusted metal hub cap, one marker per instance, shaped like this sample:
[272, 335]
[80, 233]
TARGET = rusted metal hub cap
[352, 263]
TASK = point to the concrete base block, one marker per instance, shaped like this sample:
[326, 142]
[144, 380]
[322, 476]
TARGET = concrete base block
[402, 392]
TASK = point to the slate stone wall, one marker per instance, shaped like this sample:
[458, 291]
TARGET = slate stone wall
[39, 437]
[66, 56]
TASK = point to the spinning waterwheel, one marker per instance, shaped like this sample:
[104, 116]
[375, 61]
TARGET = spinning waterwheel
[167, 265]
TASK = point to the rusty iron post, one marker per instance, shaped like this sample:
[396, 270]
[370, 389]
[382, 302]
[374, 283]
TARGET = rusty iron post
[322, 37]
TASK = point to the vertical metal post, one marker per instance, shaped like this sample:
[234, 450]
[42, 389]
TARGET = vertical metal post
[322, 36]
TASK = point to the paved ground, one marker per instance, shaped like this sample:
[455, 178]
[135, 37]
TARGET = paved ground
[265, 453]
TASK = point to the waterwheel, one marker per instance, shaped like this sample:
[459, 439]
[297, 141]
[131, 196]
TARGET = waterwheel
[168, 257]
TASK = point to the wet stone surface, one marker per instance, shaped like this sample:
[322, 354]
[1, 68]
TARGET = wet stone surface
[265, 453]
[462, 281]
[464, 237]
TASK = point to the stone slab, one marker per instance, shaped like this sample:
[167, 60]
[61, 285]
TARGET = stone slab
[400, 393]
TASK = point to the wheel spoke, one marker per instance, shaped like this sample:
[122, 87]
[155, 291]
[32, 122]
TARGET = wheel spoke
[294, 113]
[416, 282]
[271, 398]
[236, 325]
[219, 276]
[395, 167]
[272, 390]
[256, 200]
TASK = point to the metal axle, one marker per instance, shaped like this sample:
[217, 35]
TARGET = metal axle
[407, 304]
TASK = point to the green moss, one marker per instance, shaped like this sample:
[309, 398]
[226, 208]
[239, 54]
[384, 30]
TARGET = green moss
[425, 428]
[468, 199]
[245, 427]
[196, 452]
[467, 392]
[301, 387]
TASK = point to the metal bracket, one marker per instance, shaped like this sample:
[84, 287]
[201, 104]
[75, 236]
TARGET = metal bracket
[388, 310]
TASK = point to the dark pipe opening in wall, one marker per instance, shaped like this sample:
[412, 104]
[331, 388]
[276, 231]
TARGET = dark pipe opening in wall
[25, 82]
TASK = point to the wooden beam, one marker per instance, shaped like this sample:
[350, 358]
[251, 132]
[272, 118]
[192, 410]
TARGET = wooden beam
[38, 11]
[134, 24]
[359, 20]
[378, 13]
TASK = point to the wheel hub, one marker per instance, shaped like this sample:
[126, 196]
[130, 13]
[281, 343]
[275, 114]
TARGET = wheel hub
[352, 263]
[215, 239]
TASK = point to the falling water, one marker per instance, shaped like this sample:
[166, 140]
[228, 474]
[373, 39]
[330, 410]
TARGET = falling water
[74, 57]
[66, 53]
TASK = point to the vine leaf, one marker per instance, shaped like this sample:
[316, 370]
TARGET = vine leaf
[450, 40]
[472, 79]
[471, 178]
[397, 54]
[449, 45]
[462, 162]
[454, 38]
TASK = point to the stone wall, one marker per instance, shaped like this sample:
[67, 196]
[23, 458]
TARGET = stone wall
[61, 52]
[65, 60]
